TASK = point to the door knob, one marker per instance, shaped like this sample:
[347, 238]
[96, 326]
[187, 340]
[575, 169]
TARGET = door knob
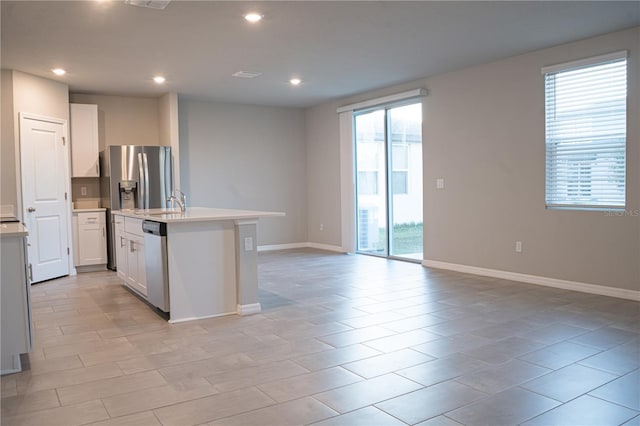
[31, 210]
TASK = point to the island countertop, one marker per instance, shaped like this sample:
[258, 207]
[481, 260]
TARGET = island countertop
[195, 214]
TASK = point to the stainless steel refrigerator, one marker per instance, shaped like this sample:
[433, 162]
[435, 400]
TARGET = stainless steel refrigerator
[133, 177]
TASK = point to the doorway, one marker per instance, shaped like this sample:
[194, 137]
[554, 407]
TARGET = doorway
[388, 153]
[44, 165]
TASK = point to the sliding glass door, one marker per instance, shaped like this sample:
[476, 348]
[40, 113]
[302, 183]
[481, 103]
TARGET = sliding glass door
[371, 182]
[389, 181]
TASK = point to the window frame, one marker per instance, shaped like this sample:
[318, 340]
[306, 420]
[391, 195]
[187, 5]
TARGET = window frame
[569, 203]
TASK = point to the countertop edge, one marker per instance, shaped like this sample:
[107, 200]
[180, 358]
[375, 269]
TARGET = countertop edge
[13, 230]
[203, 215]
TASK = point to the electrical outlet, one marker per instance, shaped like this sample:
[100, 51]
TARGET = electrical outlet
[248, 244]
[440, 183]
[518, 246]
[322, 226]
[83, 190]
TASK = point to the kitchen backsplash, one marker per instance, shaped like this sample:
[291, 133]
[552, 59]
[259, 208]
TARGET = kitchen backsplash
[85, 188]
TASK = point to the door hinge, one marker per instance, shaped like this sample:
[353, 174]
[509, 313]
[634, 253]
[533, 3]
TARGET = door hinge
[68, 251]
[65, 195]
[30, 273]
[64, 141]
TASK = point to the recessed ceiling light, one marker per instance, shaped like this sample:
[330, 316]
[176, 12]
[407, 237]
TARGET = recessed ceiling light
[253, 17]
[159, 79]
[58, 71]
[295, 81]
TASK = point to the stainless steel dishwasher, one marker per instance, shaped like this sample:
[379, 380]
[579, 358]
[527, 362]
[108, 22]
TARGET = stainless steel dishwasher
[155, 256]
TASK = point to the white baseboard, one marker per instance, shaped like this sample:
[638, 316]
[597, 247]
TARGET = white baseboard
[16, 366]
[534, 279]
[176, 321]
[91, 268]
[325, 247]
[289, 246]
[251, 308]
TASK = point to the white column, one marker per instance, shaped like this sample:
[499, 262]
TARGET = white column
[246, 267]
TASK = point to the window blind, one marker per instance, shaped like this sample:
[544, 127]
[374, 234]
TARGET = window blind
[586, 122]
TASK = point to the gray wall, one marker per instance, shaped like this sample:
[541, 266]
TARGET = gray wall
[7, 151]
[246, 157]
[323, 174]
[164, 120]
[484, 134]
[29, 94]
[124, 120]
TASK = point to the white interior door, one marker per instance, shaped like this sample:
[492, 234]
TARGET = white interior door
[44, 204]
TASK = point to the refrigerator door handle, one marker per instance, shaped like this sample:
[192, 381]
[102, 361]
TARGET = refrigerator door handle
[142, 189]
[146, 180]
[168, 170]
[165, 176]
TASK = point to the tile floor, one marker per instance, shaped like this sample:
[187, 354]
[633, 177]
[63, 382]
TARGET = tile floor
[342, 340]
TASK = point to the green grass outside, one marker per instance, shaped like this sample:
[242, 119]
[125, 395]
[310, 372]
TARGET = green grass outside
[407, 239]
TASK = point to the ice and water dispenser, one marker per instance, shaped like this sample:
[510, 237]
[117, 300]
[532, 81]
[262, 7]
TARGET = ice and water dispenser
[128, 194]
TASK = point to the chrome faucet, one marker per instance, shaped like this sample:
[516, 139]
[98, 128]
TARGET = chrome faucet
[178, 198]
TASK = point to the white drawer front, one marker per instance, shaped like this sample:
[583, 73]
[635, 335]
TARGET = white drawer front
[90, 218]
[133, 226]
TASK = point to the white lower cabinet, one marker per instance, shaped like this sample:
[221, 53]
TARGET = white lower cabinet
[122, 247]
[90, 239]
[130, 260]
[17, 327]
[137, 275]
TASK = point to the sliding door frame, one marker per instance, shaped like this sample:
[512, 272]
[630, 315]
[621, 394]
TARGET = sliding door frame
[347, 159]
[388, 146]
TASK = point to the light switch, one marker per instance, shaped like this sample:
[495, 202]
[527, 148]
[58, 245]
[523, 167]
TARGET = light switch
[440, 183]
[83, 190]
[248, 244]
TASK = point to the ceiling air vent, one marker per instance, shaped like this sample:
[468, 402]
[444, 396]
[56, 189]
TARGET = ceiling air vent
[246, 74]
[151, 4]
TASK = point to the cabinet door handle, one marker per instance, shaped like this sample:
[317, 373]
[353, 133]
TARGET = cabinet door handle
[132, 246]
[122, 240]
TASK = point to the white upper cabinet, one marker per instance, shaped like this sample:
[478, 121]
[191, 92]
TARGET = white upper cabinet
[84, 140]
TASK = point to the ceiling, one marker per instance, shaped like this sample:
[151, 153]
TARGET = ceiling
[337, 48]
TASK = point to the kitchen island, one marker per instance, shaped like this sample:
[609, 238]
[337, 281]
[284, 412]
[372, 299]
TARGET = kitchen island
[211, 257]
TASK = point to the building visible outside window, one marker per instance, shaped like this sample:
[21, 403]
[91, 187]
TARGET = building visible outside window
[586, 123]
[400, 169]
[368, 182]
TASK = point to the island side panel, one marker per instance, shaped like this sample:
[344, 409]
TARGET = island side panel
[202, 269]
[247, 267]
[16, 322]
